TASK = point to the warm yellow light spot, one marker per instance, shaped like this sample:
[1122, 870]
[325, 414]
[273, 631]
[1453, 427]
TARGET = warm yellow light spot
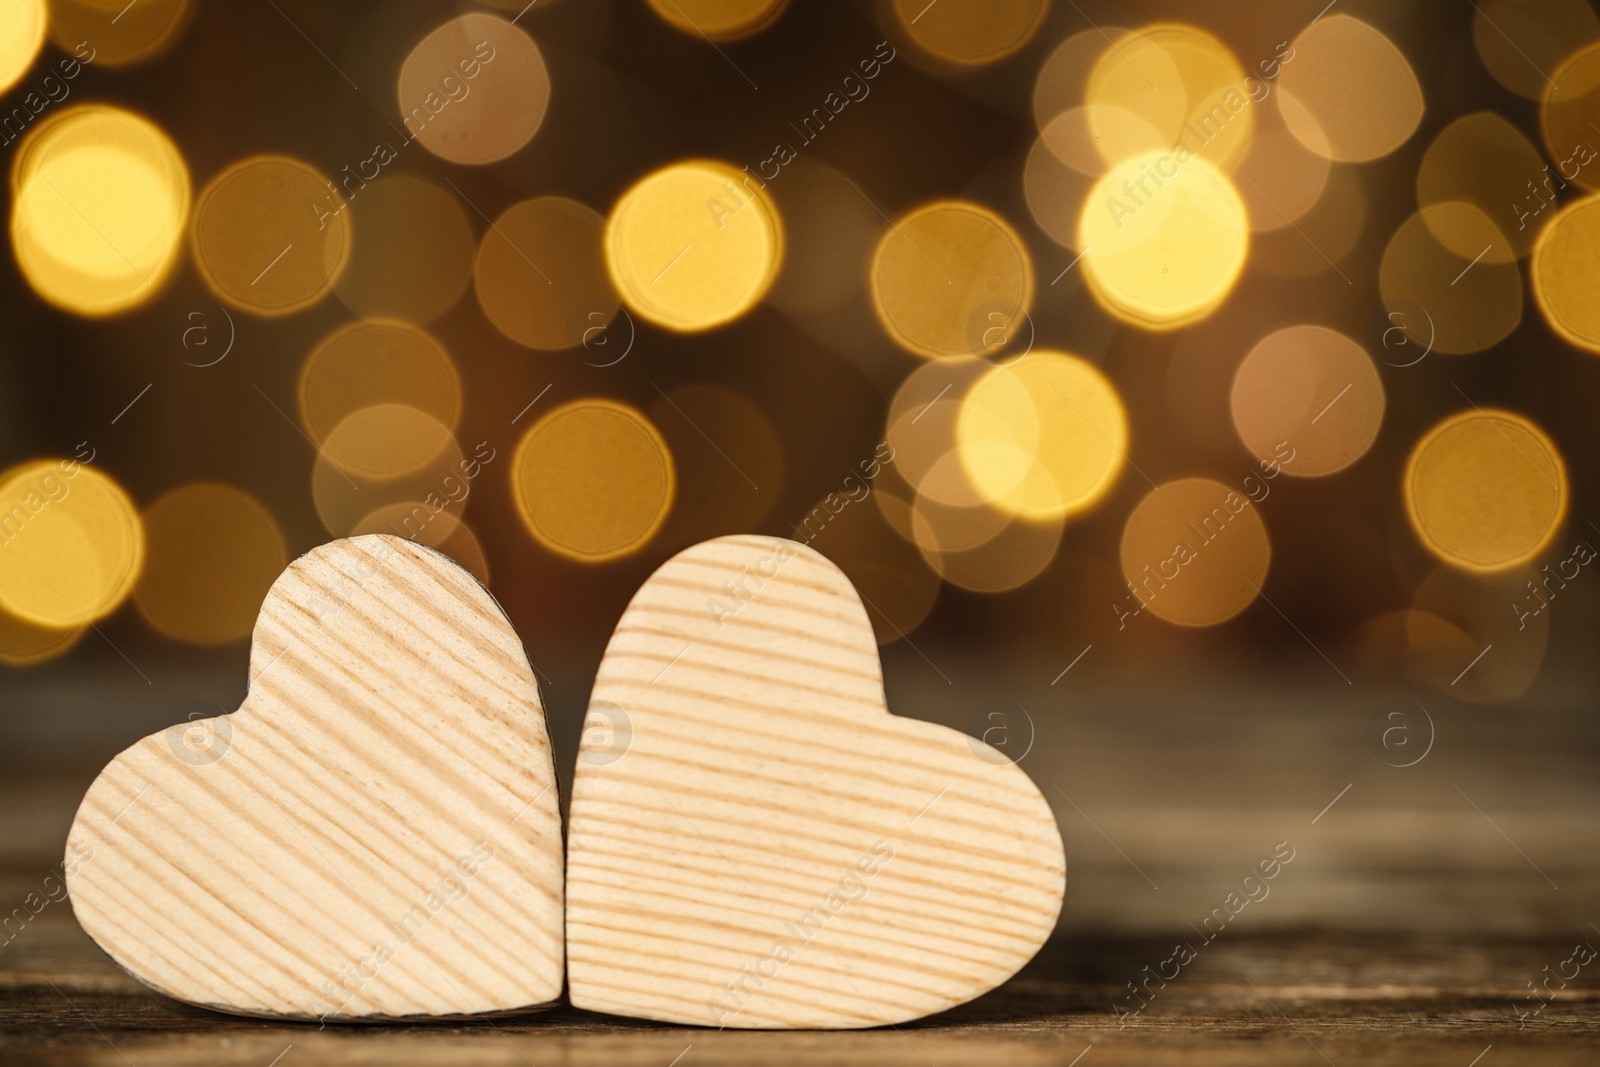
[376, 362]
[1307, 400]
[593, 480]
[693, 245]
[386, 441]
[541, 277]
[116, 33]
[1054, 191]
[22, 25]
[1568, 117]
[1520, 41]
[71, 544]
[1485, 490]
[970, 33]
[1165, 238]
[22, 643]
[940, 527]
[1443, 295]
[1566, 273]
[1483, 160]
[952, 279]
[474, 90]
[411, 251]
[921, 431]
[1044, 437]
[346, 497]
[1064, 75]
[101, 198]
[211, 554]
[719, 20]
[1182, 85]
[1348, 92]
[1194, 552]
[1012, 558]
[272, 235]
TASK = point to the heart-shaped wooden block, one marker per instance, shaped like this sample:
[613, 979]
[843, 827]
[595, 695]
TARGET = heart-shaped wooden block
[374, 834]
[756, 842]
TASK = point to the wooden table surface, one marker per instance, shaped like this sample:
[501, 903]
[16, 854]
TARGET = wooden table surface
[1286, 998]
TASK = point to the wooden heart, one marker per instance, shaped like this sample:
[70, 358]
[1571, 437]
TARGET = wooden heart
[756, 842]
[375, 833]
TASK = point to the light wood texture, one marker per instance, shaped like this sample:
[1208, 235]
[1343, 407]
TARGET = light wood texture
[374, 833]
[756, 842]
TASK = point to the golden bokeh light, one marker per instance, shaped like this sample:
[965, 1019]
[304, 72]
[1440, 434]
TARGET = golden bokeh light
[376, 361]
[1520, 41]
[1012, 558]
[1280, 179]
[119, 33]
[1349, 93]
[1310, 393]
[1183, 88]
[1043, 438]
[1485, 490]
[1064, 75]
[1062, 167]
[23, 643]
[1458, 302]
[411, 251]
[1565, 268]
[271, 235]
[437, 490]
[22, 24]
[693, 245]
[1483, 160]
[541, 274]
[386, 441]
[728, 458]
[1568, 119]
[941, 527]
[474, 90]
[952, 278]
[969, 33]
[1455, 616]
[922, 432]
[719, 20]
[100, 199]
[1194, 552]
[593, 480]
[211, 554]
[1165, 238]
[71, 543]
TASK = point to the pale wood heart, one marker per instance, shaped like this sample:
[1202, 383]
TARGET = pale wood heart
[375, 832]
[756, 842]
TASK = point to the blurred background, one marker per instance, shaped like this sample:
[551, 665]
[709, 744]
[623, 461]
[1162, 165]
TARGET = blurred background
[1200, 396]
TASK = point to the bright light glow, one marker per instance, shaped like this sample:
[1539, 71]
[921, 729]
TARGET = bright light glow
[1348, 92]
[719, 20]
[1566, 273]
[474, 90]
[22, 25]
[1308, 400]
